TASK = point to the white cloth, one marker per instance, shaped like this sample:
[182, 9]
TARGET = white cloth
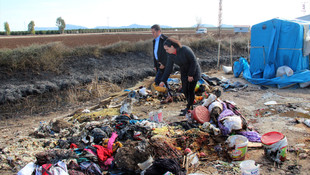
[28, 169]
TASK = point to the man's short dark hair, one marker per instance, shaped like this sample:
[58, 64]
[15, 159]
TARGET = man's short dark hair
[156, 27]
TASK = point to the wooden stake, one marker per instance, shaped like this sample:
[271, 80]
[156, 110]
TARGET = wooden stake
[218, 55]
[186, 165]
[248, 50]
[230, 48]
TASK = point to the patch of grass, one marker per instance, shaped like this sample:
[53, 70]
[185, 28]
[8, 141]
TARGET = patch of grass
[61, 100]
[241, 42]
[86, 51]
[49, 57]
[208, 43]
[126, 46]
[35, 57]
[91, 91]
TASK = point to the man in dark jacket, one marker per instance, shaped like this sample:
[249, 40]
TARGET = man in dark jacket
[159, 53]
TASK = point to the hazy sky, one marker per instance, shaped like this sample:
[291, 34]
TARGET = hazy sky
[175, 13]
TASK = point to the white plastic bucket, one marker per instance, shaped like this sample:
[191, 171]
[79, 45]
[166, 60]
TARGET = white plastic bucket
[277, 151]
[239, 144]
[248, 167]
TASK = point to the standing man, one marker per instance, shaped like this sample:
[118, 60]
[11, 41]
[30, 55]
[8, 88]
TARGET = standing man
[159, 56]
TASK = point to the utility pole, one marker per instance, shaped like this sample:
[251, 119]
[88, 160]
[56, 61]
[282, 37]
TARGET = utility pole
[219, 34]
[220, 18]
[303, 8]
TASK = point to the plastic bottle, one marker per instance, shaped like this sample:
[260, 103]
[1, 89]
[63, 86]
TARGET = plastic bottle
[248, 167]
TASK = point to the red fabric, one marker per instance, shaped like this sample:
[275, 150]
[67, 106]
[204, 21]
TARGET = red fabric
[45, 168]
[103, 153]
[73, 145]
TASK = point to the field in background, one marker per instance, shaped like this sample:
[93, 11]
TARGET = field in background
[102, 39]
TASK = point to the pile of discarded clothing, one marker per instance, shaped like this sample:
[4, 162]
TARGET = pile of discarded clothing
[110, 139]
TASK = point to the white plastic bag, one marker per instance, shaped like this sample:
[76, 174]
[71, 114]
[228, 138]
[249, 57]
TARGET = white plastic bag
[156, 116]
[305, 84]
[284, 70]
[143, 92]
[28, 169]
[227, 69]
[232, 122]
[211, 98]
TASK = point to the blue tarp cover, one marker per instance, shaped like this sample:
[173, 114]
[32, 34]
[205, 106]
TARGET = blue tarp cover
[280, 82]
[276, 43]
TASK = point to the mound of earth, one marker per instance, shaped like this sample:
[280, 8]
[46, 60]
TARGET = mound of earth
[124, 70]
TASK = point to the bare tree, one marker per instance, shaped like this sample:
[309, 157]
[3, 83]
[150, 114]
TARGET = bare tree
[220, 18]
[198, 20]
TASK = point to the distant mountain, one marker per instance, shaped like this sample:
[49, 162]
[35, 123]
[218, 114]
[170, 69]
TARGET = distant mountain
[132, 26]
[135, 26]
[122, 27]
[45, 28]
[227, 26]
[205, 25]
[68, 27]
[73, 27]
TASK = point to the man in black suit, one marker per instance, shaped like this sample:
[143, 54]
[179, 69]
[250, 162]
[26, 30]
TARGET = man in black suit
[159, 56]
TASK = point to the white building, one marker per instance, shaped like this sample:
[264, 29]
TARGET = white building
[241, 28]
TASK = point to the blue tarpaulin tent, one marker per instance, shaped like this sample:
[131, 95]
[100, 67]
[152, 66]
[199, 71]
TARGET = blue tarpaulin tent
[276, 43]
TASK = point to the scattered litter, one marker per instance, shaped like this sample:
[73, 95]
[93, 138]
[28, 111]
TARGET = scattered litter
[227, 69]
[156, 116]
[112, 138]
[307, 122]
[270, 103]
[86, 111]
[248, 167]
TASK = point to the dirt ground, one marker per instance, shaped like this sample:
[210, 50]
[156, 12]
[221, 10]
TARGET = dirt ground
[291, 104]
[102, 39]
[286, 116]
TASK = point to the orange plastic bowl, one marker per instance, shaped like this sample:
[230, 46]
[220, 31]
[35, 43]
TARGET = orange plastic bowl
[201, 114]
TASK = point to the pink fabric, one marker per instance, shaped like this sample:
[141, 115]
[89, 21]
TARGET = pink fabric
[90, 151]
[111, 141]
[109, 161]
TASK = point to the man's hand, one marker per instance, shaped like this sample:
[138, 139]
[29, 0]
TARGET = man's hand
[161, 84]
[190, 79]
[155, 69]
[161, 66]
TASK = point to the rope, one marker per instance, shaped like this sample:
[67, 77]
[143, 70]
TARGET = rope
[258, 47]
